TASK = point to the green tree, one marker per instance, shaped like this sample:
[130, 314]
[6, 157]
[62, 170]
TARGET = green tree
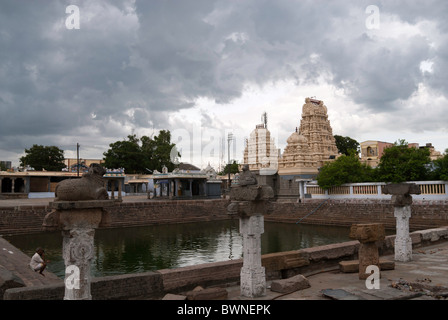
[233, 167]
[159, 151]
[346, 145]
[2, 167]
[50, 158]
[137, 155]
[125, 154]
[401, 163]
[440, 168]
[345, 169]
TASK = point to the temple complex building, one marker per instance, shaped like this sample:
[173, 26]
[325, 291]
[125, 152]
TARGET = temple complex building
[312, 146]
[308, 148]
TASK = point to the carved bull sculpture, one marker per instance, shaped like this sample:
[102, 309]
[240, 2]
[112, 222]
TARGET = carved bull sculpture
[89, 187]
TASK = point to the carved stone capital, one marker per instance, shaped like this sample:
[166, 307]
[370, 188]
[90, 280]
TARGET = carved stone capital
[68, 215]
[401, 193]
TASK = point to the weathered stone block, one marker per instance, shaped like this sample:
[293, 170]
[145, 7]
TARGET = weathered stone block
[170, 296]
[350, 266]
[368, 232]
[200, 293]
[387, 264]
[284, 260]
[298, 282]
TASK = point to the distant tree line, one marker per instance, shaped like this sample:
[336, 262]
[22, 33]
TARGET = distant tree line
[135, 155]
[398, 163]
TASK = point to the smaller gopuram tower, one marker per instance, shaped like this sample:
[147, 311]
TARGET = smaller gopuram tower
[260, 152]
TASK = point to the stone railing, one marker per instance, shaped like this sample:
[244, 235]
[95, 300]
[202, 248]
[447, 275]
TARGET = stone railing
[430, 190]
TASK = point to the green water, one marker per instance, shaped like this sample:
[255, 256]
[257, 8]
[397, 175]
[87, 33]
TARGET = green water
[149, 248]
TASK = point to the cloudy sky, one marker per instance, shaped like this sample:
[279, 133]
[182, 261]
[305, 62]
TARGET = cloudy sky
[206, 68]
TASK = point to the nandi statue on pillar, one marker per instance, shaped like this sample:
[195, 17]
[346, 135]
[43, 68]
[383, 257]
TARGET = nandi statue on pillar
[89, 187]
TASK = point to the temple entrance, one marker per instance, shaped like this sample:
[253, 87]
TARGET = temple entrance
[6, 186]
[19, 185]
[195, 188]
[16, 185]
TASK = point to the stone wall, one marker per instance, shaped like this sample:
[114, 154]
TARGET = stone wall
[425, 214]
[147, 285]
[28, 219]
[154, 285]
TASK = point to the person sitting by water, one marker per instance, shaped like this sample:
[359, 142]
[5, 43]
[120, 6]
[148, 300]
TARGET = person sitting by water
[37, 262]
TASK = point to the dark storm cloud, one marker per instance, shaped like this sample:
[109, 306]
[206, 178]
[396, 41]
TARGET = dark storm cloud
[131, 63]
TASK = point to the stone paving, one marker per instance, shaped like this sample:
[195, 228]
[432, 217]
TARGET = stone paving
[423, 278]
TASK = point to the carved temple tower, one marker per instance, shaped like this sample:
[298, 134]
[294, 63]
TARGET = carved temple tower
[316, 128]
[308, 149]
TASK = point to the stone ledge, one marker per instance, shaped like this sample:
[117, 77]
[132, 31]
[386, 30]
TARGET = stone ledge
[332, 251]
[186, 278]
[351, 266]
[214, 293]
[433, 234]
[83, 204]
[146, 285]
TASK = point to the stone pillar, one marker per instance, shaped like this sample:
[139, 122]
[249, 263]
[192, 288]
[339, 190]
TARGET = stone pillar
[77, 220]
[78, 251]
[119, 190]
[403, 242]
[26, 184]
[252, 277]
[367, 235]
[112, 188]
[402, 200]
[13, 180]
[251, 202]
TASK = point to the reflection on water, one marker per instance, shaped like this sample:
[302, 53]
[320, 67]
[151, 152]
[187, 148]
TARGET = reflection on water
[149, 248]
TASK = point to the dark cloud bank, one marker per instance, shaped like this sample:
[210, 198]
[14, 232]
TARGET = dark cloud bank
[131, 63]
